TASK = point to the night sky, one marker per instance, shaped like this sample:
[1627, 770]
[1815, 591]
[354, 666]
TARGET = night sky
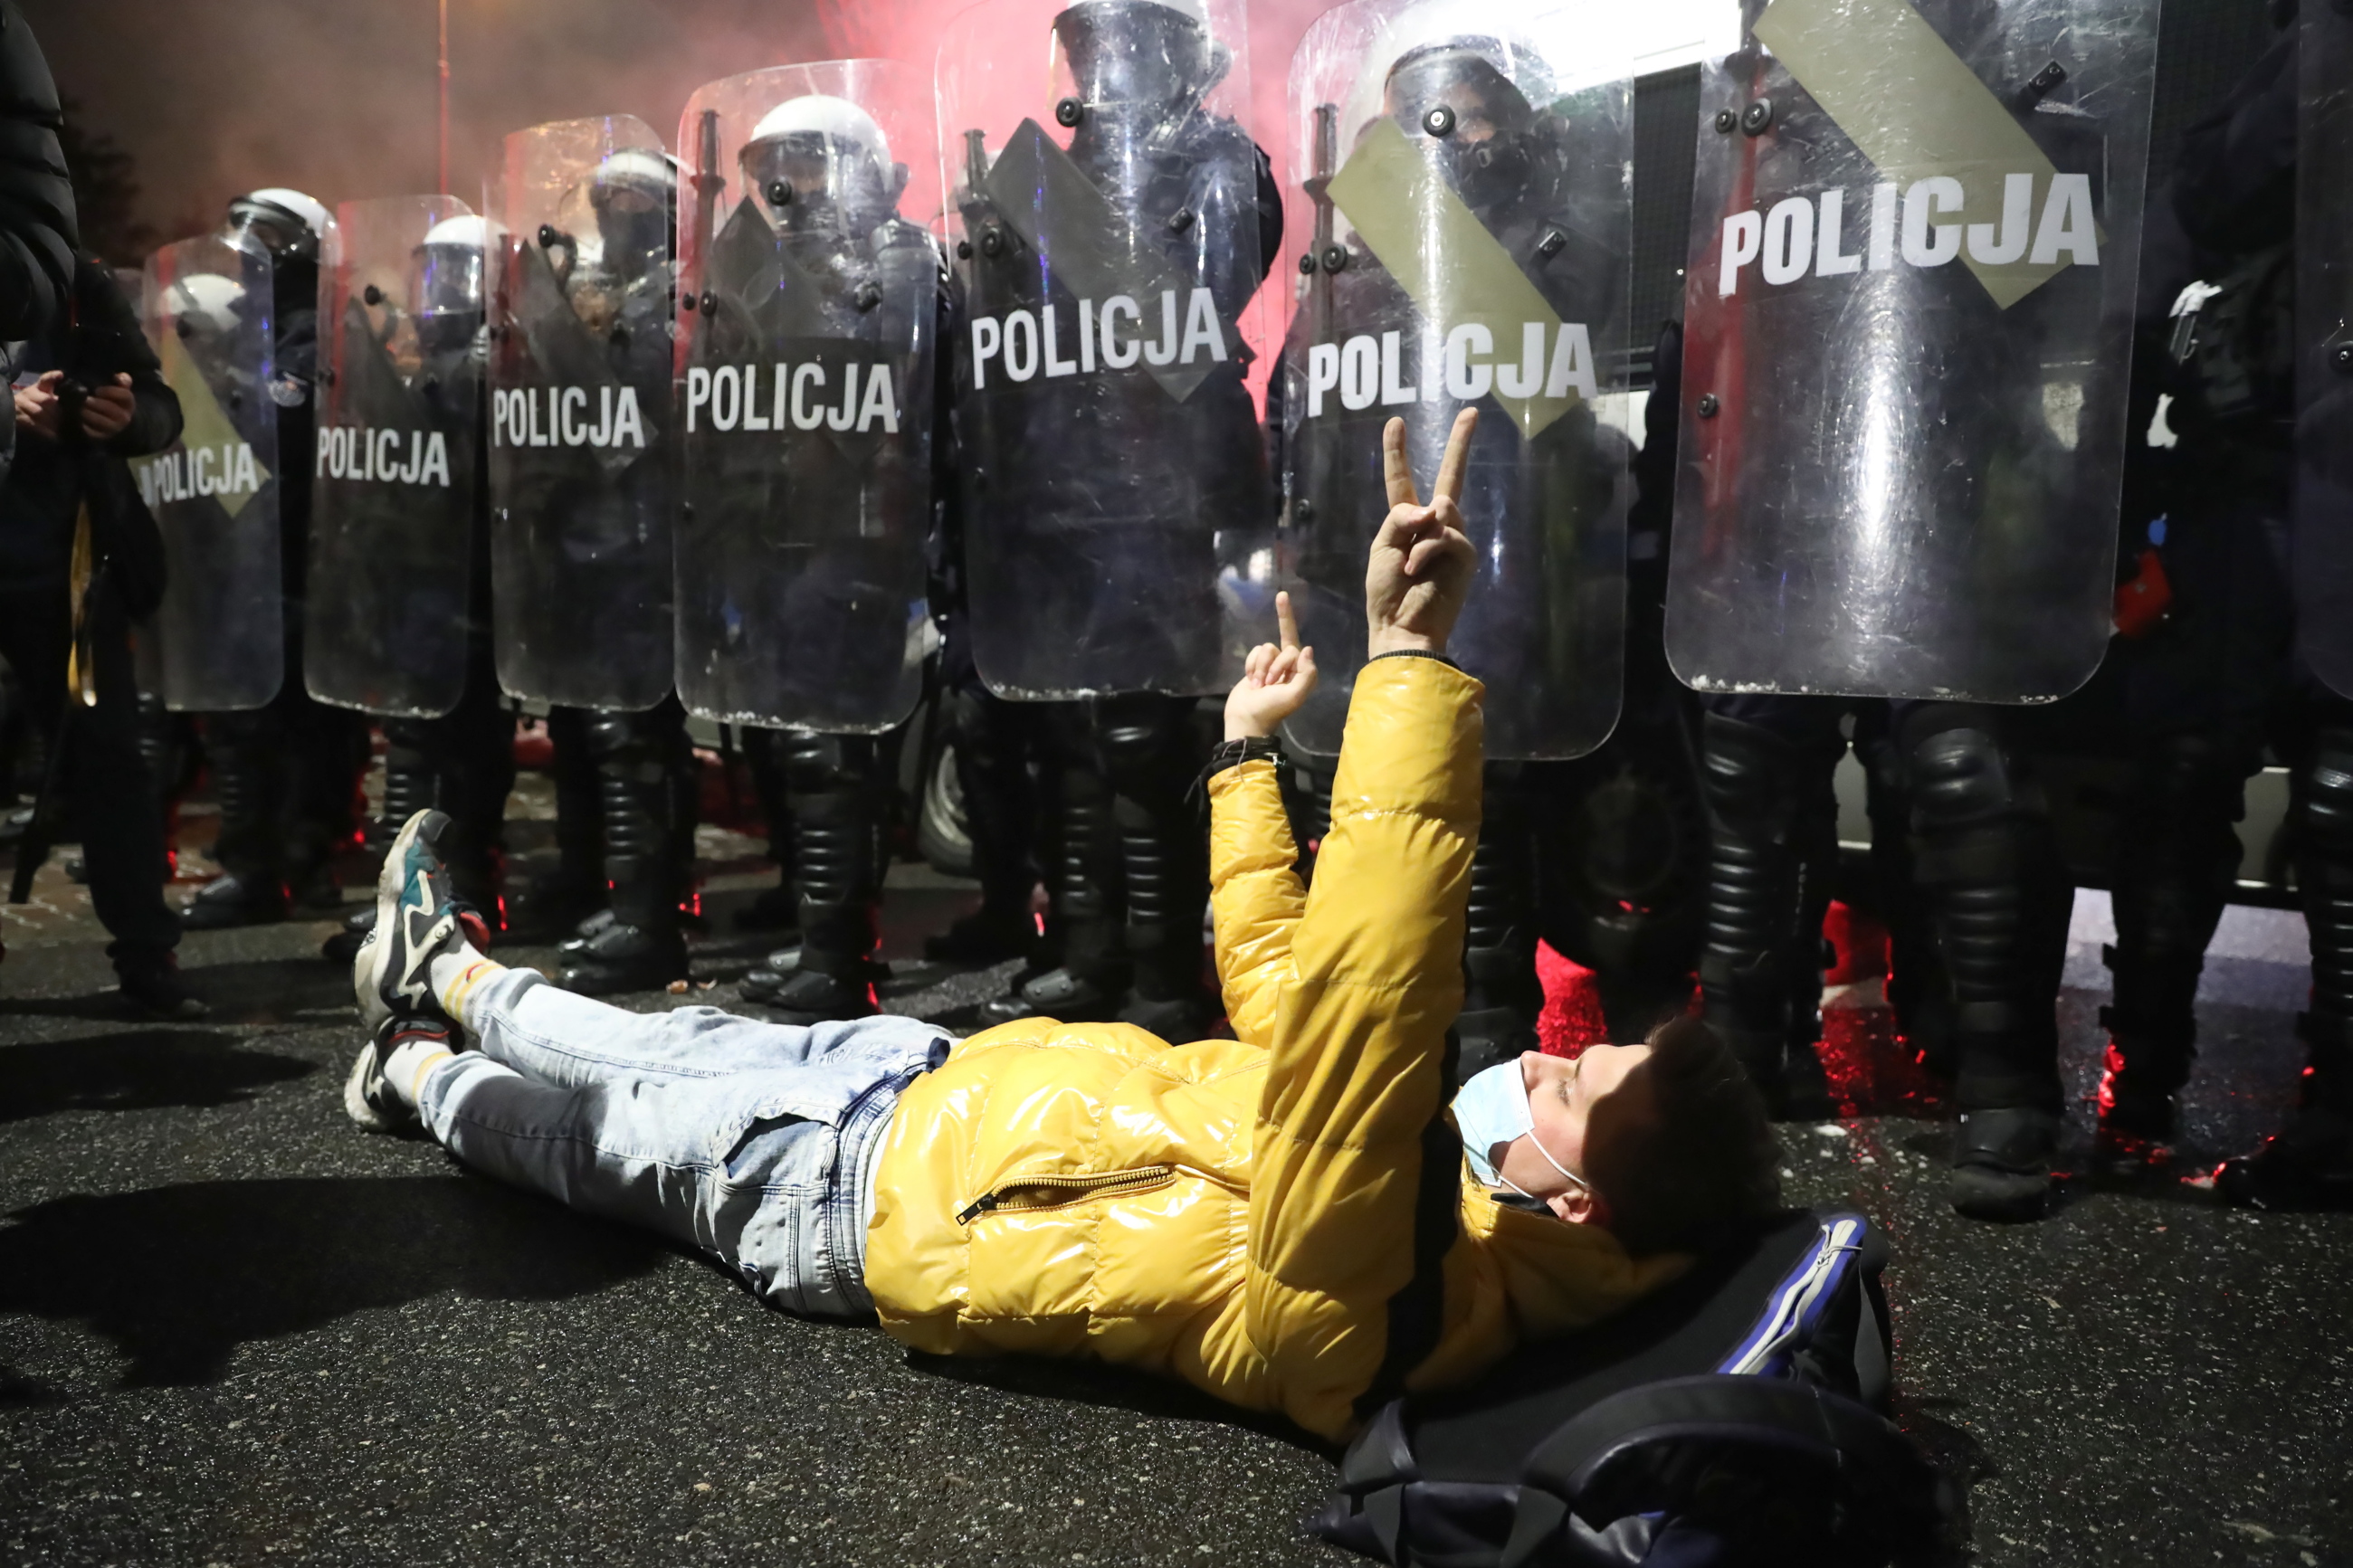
[336, 97]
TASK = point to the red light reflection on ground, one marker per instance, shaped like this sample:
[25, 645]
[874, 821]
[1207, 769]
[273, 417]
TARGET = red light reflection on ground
[1873, 1070]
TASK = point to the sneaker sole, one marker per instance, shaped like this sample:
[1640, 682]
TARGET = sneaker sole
[391, 883]
[356, 1104]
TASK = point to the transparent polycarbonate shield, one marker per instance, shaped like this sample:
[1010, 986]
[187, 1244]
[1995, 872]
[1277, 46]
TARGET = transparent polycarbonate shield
[809, 301]
[220, 634]
[2324, 369]
[394, 498]
[1112, 224]
[1907, 332]
[581, 492]
[1461, 233]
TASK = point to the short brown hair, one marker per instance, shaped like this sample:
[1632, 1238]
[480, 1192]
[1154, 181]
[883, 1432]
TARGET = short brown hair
[1708, 1156]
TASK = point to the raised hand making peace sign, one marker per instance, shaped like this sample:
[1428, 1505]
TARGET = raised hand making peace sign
[1421, 562]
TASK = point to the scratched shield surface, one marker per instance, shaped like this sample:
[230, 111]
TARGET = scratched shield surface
[216, 644]
[395, 502]
[1462, 230]
[1908, 302]
[580, 475]
[1112, 224]
[809, 307]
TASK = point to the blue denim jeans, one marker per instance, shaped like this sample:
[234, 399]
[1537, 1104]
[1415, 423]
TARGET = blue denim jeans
[754, 1142]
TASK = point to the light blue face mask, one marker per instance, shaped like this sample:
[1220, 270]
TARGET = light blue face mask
[1493, 1108]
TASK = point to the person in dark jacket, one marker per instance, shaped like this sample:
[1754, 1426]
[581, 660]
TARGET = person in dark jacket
[80, 558]
[38, 231]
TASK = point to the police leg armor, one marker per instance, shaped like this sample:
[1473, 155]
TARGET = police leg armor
[2310, 1163]
[836, 785]
[1988, 867]
[1917, 988]
[993, 773]
[1087, 875]
[777, 909]
[637, 758]
[2176, 858]
[1770, 814]
[574, 892]
[1501, 994]
[250, 780]
[1145, 740]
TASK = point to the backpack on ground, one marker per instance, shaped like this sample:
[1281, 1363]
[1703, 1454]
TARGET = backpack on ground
[1737, 1415]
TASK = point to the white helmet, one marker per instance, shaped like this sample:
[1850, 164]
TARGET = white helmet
[205, 301]
[448, 276]
[467, 229]
[837, 119]
[286, 221]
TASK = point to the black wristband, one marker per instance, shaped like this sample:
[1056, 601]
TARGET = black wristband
[1414, 653]
[1233, 754]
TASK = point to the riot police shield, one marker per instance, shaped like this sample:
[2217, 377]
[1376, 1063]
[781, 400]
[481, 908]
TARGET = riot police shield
[1112, 223]
[1462, 223]
[807, 311]
[582, 217]
[394, 495]
[220, 631]
[1908, 315]
[2323, 369]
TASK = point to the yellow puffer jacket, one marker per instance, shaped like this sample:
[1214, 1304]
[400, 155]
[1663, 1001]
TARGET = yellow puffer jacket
[1284, 1220]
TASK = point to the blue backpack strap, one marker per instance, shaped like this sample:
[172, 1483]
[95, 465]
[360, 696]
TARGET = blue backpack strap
[1800, 1302]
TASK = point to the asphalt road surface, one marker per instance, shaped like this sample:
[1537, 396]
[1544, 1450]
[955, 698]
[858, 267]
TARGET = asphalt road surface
[234, 1329]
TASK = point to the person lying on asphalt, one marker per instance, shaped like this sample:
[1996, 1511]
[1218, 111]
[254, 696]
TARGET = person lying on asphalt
[1289, 1220]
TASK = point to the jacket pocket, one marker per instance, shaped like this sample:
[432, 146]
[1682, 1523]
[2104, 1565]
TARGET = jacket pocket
[1027, 1194]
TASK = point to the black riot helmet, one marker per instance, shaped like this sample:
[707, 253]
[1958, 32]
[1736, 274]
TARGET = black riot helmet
[635, 194]
[1141, 64]
[818, 163]
[1474, 122]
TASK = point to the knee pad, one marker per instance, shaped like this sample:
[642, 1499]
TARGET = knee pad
[815, 763]
[1959, 777]
[1752, 779]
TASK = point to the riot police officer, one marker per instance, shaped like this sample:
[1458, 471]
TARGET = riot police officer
[809, 432]
[1107, 437]
[401, 593]
[286, 774]
[1484, 262]
[581, 504]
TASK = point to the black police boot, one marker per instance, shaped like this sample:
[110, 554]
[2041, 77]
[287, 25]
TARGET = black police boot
[574, 889]
[999, 808]
[2177, 860]
[837, 852]
[153, 987]
[2308, 1164]
[1772, 826]
[1990, 875]
[642, 948]
[1091, 983]
[1164, 862]
[248, 785]
[2152, 1034]
[777, 909]
[235, 899]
